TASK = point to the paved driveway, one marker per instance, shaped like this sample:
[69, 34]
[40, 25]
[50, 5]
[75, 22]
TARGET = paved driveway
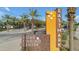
[10, 42]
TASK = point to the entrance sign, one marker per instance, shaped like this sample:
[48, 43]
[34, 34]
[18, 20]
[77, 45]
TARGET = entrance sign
[59, 36]
[53, 28]
[35, 42]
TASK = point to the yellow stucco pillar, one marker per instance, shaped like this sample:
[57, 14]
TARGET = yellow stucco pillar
[51, 21]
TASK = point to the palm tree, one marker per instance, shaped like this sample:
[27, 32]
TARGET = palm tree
[13, 20]
[1, 24]
[7, 18]
[24, 19]
[71, 12]
[33, 14]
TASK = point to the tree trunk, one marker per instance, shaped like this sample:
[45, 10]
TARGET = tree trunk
[71, 15]
[24, 26]
[32, 25]
[7, 27]
[71, 23]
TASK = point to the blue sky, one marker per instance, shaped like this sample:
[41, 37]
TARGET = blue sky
[17, 11]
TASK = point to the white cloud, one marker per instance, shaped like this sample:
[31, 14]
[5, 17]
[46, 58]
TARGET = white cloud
[1, 13]
[7, 9]
[65, 19]
[77, 18]
[18, 17]
[43, 19]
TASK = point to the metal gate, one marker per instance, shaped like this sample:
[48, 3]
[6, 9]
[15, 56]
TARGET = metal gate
[31, 42]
